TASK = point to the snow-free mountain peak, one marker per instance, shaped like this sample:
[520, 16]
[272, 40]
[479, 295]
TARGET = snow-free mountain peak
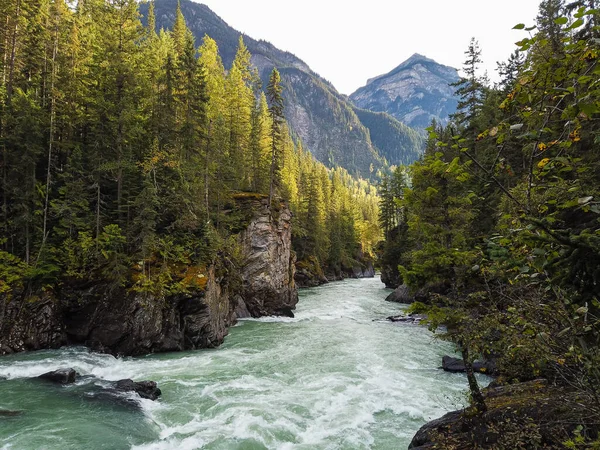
[415, 92]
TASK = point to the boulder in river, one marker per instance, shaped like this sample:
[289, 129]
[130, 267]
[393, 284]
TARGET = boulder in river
[285, 312]
[456, 365]
[410, 318]
[61, 376]
[401, 295]
[145, 389]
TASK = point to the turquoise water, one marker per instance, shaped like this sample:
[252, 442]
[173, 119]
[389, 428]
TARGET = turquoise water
[334, 377]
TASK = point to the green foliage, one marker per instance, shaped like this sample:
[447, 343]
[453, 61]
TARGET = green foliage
[12, 273]
[439, 215]
[123, 150]
[503, 215]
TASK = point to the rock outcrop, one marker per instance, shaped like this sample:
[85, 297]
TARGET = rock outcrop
[30, 323]
[310, 274]
[531, 415]
[130, 323]
[400, 295]
[124, 322]
[269, 263]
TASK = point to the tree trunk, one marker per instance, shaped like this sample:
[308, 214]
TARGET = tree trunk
[207, 172]
[97, 214]
[273, 162]
[473, 385]
[13, 52]
[50, 140]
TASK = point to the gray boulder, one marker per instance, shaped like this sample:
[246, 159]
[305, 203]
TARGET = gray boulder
[456, 365]
[145, 389]
[401, 295]
[60, 376]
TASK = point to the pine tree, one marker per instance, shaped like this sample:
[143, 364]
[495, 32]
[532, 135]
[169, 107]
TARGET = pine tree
[151, 19]
[274, 95]
[469, 88]
[180, 31]
[549, 12]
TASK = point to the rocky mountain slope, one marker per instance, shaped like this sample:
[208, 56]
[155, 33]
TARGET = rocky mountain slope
[415, 92]
[324, 119]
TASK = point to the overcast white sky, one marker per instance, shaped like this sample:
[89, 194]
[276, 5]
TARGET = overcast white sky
[348, 42]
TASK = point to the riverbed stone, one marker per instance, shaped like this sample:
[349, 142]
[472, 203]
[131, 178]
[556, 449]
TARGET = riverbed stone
[410, 318]
[145, 389]
[61, 376]
[456, 365]
[401, 295]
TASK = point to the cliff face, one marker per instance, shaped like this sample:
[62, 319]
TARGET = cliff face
[128, 323]
[268, 272]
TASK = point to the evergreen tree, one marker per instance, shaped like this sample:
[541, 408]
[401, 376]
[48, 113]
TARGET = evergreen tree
[469, 88]
[274, 95]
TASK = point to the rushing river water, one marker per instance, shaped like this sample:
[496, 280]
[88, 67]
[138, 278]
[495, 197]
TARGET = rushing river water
[335, 377]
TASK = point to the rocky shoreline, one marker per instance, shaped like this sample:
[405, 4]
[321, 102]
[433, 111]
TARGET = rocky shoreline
[530, 415]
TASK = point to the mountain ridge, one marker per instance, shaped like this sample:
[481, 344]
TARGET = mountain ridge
[415, 92]
[322, 117]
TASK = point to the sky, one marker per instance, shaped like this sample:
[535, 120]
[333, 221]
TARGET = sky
[348, 42]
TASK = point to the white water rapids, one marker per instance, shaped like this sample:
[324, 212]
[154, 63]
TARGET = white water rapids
[338, 376]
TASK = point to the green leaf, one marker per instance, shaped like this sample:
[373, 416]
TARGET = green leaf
[519, 26]
[589, 109]
[576, 24]
[561, 21]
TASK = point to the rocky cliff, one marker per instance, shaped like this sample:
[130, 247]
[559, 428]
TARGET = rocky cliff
[415, 92]
[269, 263]
[123, 322]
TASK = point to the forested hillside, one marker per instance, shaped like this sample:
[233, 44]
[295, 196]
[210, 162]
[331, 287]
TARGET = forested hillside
[125, 151]
[399, 143]
[498, 232]
[316, 112]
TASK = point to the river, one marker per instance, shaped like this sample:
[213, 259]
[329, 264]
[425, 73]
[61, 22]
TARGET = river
[335, 377]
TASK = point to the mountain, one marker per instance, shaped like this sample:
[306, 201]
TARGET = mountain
[324, 119]
[415, 92]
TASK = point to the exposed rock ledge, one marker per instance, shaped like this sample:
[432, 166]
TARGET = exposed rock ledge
[128, 323]
[528, 415]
